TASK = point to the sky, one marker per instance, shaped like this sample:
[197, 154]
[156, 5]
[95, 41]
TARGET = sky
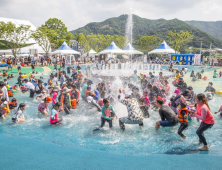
[78, 13]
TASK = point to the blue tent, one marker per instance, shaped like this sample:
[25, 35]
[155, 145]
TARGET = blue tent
[164, 48]
[130, 50]
[112, 49]
[65, 49]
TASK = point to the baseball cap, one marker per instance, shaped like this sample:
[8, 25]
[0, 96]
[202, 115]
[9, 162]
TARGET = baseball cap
[88, 87]
[90, 81]
[25, 80]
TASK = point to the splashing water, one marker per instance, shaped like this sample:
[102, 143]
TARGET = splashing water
[129, 28]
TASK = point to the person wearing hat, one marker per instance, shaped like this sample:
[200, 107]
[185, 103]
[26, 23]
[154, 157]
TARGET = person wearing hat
[133, 77]
[181, 84]
[177, 92]
[135, 115]
[29, 87]
[80, 74]
[43, 106]
[65, 100]
[192, 95]
[38, 89]
[176, 101]
[63, 85]
[84, 88]
[55, 92]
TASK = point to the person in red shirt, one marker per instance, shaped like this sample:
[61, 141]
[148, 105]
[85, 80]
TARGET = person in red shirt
[203, 113]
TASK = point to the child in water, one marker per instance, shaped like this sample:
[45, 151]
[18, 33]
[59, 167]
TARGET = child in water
[43, 106]
[13, 104]
[106, 114]
[143, 108]
[19, 116]
[54, 117]
[4, 108]
[183, 119]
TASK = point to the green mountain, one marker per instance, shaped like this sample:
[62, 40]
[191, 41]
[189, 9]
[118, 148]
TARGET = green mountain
[210, 27]
[143, 26]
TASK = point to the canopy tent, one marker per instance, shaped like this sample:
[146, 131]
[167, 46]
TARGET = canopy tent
[92, 52]
[130, 50]
[65, 49]
[112, 49]
[163, 49]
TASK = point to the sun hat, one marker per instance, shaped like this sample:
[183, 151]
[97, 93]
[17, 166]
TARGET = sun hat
[65, 90]
[48, 99]
[100, 102]
[56, 88]
[177, 91]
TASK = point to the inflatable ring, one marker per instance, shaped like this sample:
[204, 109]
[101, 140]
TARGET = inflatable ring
[2, 63]
[175, 68]
[162, 69]
[24, 75]
[218, 92]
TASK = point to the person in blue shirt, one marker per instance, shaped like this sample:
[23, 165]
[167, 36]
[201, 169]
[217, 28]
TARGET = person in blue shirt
[107, 114]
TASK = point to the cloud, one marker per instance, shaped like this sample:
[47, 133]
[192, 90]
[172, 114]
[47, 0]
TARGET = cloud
[75, 13]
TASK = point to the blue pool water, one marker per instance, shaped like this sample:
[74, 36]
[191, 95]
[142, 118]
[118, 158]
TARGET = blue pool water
[35, 144]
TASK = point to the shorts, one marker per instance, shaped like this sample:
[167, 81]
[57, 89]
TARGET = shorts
[19, 68]
[166, 123]
[9, 66]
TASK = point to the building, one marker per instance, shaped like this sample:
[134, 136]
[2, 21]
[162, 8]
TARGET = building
[32, 49]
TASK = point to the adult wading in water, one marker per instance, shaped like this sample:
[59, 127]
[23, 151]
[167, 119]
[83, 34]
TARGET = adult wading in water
[203, 113]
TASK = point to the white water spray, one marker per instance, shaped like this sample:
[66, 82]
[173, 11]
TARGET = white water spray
[129, 27]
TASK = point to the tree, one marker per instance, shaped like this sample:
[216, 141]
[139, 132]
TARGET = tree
[178, 40]
[44, 36]
[14, 37]
[61, 30]
[147, 43]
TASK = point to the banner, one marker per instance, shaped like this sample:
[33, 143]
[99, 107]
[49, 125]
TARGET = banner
[197, 59]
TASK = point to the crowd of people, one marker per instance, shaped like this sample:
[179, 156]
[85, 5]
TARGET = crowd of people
[63, 92]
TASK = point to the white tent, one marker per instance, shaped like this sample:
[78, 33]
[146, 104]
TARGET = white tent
[92, 54]
[130, 50]
[163, 49]
[65, 49]
[26, 49]
[112, 49]
[92, 51]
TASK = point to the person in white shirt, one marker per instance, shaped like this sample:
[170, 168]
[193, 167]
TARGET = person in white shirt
[29, 87]
[4, 91]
